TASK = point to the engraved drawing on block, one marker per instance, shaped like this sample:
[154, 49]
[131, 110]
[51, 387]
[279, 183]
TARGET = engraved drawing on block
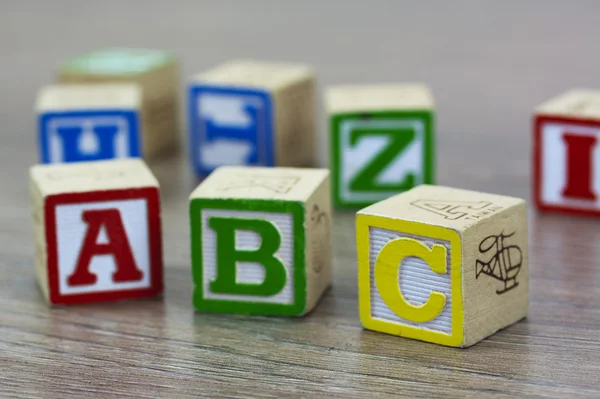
[568, 165]
[505, 261]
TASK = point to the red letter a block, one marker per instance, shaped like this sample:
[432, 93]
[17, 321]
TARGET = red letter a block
[97, 228]
[567, 153]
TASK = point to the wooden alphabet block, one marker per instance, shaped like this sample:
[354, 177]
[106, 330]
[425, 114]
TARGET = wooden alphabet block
[381, 141]
[157, 74]
[566, 159]
[79, 123]
[442, 265]
[254, 114]
[97, 231]
[261, 240]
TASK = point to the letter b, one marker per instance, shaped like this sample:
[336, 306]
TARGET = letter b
[255, 248]
[228, 256]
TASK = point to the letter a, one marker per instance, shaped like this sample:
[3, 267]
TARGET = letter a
[579, 166]
[117, 246]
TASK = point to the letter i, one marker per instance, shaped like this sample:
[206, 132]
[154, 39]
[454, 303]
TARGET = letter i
[579, 166]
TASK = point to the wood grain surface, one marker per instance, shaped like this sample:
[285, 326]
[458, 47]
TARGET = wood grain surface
[488, 64]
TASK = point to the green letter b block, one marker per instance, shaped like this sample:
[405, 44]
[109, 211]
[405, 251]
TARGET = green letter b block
[382, 141]
[261, 240]
[248, 256]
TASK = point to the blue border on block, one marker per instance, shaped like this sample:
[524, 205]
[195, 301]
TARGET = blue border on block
[266, 139]
[133, 126]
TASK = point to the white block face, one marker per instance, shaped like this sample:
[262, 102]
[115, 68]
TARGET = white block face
[248, 272]
[71, 231]
[354, 158]
[416, 281]
[554, 165]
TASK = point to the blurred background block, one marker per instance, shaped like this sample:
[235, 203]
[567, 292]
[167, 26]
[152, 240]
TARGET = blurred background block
[488, 64]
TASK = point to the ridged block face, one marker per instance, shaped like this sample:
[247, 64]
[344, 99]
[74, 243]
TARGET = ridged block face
[97, 229]
[442, 265]
[382, 141]
[251, 258]
[261, 241]
[406, 262]
[566, 159]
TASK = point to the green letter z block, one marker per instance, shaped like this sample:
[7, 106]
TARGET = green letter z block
[379, 154]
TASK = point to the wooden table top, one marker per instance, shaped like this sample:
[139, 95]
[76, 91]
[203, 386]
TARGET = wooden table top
[488, 65]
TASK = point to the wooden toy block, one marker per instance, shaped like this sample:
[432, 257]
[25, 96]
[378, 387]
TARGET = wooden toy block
[97, 231]
[157, 74]
[442, 265]
[566, 160]
[261, 240]
[381, 141]
[251, 113]
[88, 122]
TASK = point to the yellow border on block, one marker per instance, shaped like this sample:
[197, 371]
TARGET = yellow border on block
[363, 223]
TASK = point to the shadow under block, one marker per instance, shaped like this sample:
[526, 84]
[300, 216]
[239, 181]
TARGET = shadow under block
[261, 240]
[381, 141]
[157, 74]
[251, 113]
[566, 159]
[97, 231]
[443, 265]
[79, 123]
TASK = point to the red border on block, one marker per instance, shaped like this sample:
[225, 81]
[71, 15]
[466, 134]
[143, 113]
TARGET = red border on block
[539, 121]
[151, 194]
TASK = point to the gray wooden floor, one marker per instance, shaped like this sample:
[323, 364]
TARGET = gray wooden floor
[488, 64]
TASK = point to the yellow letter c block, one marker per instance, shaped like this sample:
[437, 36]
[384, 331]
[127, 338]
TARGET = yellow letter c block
[387, 268]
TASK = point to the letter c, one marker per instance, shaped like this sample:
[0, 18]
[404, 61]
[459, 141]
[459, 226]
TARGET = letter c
[387, 268]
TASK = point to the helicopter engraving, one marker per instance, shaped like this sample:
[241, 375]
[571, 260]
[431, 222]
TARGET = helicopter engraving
[505, 263]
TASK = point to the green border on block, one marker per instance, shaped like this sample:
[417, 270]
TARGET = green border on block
[247, 307]
[427, 116]
[117, 62]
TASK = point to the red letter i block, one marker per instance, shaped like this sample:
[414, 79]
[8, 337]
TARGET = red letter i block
[567, 153]
[97, 230]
